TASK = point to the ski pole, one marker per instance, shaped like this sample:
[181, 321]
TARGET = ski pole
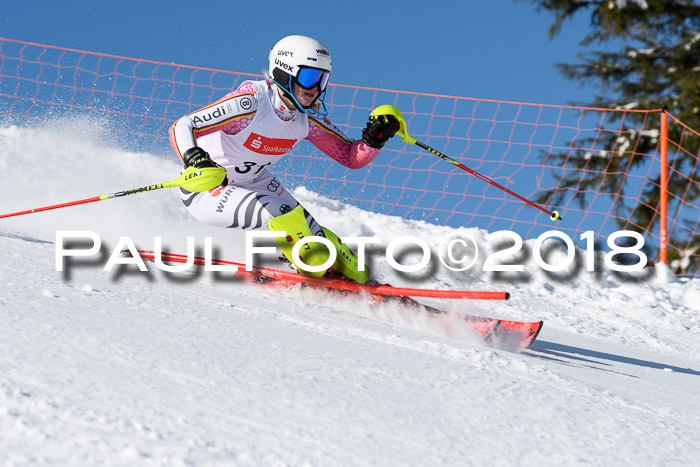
[408, 139]
[192, 179]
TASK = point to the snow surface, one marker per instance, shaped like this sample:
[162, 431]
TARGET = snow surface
[132, 368]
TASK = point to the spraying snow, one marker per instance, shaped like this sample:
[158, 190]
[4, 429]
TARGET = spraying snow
[153, 368]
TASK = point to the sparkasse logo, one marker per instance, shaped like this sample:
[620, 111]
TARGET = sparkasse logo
[264, 145]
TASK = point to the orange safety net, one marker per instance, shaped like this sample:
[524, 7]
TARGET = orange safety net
[600, 168]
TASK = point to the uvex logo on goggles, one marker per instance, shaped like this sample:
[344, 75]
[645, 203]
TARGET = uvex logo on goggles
[307, 78]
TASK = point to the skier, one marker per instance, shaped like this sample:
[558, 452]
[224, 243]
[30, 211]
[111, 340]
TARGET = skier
[251, 128]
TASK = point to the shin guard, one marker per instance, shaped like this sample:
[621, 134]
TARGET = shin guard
[294, 223]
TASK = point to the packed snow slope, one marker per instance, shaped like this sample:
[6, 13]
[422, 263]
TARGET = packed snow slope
[154, 368]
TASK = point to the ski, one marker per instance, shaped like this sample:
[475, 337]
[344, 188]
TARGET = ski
[503, 332]
[512, 333]
[291, 277]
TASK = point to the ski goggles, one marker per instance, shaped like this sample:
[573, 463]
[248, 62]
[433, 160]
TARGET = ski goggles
[308, 78]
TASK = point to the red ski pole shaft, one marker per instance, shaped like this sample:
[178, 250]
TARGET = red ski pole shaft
[55, 206]
[388, 109]
[86, 200]
[554, 215]
[192, 179]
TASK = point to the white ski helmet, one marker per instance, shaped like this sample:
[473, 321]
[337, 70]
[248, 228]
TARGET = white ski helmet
[300, 59]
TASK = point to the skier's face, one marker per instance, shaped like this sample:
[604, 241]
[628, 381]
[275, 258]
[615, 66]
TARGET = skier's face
[305, 96]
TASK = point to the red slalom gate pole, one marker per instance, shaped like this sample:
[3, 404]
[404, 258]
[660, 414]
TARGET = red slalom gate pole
[331, 283]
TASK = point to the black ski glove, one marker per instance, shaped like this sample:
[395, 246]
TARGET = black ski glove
[379, 130]
[199, 158]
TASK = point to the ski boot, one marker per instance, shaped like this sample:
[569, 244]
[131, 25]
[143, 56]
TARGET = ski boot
[315, 254]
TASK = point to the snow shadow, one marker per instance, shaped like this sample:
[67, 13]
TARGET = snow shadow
[25, 238]
[566, 352]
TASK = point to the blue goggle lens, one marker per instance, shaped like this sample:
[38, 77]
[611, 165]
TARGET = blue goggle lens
[307, 78]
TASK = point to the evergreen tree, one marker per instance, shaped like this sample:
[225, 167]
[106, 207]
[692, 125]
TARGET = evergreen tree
[654, 64]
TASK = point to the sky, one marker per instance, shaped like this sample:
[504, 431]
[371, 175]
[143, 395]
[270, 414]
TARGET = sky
[496, 49]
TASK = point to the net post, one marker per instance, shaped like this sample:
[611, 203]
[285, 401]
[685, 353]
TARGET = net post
[663, 195]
